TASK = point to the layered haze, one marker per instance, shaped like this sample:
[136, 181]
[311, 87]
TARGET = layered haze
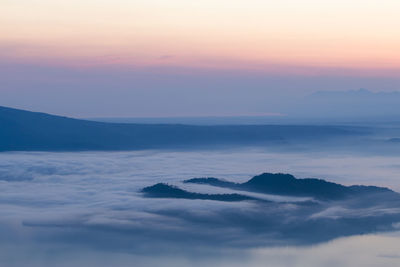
[177, 58]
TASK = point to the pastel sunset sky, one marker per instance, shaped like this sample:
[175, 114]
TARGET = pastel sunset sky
[68, 47]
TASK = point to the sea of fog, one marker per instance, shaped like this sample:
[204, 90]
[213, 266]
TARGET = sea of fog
[86, 209]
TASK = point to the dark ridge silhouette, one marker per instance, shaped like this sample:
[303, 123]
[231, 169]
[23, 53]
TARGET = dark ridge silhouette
[31, 131]
[286, 184]
[162, 190]
[394, 140]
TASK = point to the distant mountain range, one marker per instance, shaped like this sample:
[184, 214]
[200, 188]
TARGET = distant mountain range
[31, 131]
[352, 104]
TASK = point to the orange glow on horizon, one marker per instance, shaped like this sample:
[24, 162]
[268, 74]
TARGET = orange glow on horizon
[253, 35]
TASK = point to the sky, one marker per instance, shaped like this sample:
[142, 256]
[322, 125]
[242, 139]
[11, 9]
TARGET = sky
[191, 58]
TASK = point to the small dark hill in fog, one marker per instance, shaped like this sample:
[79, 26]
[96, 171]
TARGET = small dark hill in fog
[31, 131]
[161, 190]
[286, 184]
[335, 211]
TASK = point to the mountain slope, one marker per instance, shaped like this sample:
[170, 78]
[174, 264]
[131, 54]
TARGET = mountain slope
[30, 131]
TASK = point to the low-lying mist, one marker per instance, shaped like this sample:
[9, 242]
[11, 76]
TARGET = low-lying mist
[92, 202]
